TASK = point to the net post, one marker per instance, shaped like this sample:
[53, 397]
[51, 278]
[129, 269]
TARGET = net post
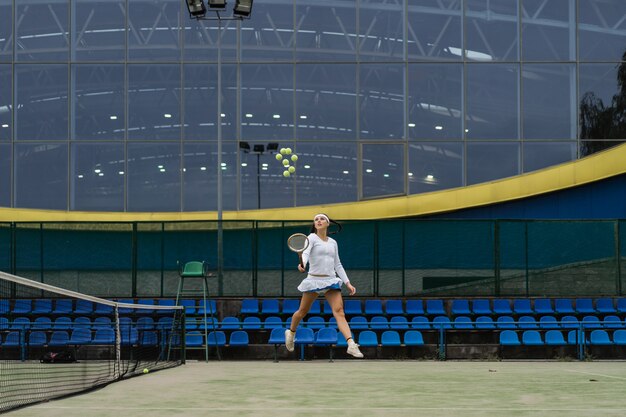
[118, 344]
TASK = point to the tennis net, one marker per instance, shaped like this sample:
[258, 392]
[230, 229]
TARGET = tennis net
[55, 342]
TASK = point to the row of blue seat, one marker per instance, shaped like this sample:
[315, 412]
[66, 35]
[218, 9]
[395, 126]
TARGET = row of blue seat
[84, 307]
[555, 338]
[500, 306]
[79, 336]
[64, 323]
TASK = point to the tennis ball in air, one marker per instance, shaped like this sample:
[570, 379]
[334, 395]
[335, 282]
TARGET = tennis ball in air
[287, 151]
[291, 170]
[285, 162]
[146, 370]
[286, 174]
[294, 157]
[283, 151]
[279, 157]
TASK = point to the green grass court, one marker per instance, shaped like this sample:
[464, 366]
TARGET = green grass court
[357, 388]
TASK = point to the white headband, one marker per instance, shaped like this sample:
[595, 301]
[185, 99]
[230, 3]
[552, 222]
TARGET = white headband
[321, 215]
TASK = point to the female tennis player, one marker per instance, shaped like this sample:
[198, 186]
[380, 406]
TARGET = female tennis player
[326, 274]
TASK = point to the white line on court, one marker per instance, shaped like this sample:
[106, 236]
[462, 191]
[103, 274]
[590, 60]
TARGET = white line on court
[596, 409]
[595, 374]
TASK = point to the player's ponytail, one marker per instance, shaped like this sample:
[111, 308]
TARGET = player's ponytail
[330, 222]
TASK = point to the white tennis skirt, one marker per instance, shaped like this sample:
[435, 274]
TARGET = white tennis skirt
[319, 285]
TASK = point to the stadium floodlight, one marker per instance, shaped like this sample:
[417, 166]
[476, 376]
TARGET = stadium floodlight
[243, 7]
[259, 148]
[196, 8]
[217, 4]
[244, 146]
[272, 146]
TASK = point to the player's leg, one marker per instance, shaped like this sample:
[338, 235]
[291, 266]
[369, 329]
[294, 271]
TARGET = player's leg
[334, 299]
[305, 305]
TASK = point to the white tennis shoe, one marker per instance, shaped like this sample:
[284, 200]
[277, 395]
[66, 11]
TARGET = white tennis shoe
[353, 349]
[289, 338]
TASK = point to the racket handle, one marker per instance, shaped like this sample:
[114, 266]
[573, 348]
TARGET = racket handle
[300, 257]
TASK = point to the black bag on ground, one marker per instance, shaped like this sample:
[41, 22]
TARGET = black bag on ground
[65, 356]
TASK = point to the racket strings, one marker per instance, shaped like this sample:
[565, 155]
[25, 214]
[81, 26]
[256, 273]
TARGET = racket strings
[297, 242]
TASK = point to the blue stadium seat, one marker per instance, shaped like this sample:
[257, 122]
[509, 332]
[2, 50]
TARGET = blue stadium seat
[435, 307]
[270, 306]
[368, 338]
[621, 305]
[208, 307]
[62, 323]
[37, 338]
[509, 338]
[532, 338]
[12, 340]
[502, 307]
[390, 338]
[332, 322]
[522, 306]
[398, 323]
[394, 307]
[414, 307]
[591, 322]
[358, 322]
[341, 341]
[82, 322]
[569, 322]
[413, 338]
[59, 338]
[326, 308]
[485, 322]
[164, 323]
[290, 306]
[42, 323]
[481, 307]
[83, 307]
[191, 323]
[80, 336]
[527, 322]
[217, 335]
[126, 310]
[148, 339]
[249, 306]
[62, 307]
[22, 306]
[315, 323]
[548, 322]
[102, 309]
[619, 337]
[104, 336]
[20, 323]
[190, 306]
[211, 323]
[463, 322]
[42, 306]
[231, 323]
[352, 307]
[379, 322]
[239, 338]
[251, 323]
[441, 322]
[147, 323]
[166, 302]
[4, 323]
[585, 306]
[304, 336]
[103, 323]
[373, 307]
[194, 339]
[145, 302]
[420, 322]
[277, 336]
[600, 337]
[544, 306]
[316, 308]
[573, 337]
[460, 308]
[555, 338]
[272, 322]
[4, 306]
[563, 306]
[612, 322]
[505, 322]
[326, 336]
[130, 335]
[605, 306]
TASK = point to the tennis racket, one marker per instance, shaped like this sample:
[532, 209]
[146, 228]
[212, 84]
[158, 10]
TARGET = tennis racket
[298, 242]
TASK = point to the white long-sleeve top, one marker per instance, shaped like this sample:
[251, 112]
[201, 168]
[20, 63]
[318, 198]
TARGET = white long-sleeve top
[323, 258]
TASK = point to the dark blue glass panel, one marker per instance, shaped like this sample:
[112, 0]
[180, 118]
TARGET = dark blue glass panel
[267, 101]
[381, 101]
[154, 30]
[200, 102]
[326, 173]
[202, 42]
[383, 169]
[42, 92]
[549, 104]
[491, 30]
[42, 31]
[435, 30]
[549, 30]
[326, 30]
[269, 35]
[6, 30]
[487, 161]
[40, 175]
[154, 102]
[200, 176]
[153, 177]
[381, 30]
[435, 101]
[97, 177]
[326, 101]
[100, 30]
[539, 155]
[6, 109]
[261, 174]
[435, 166]
[492, 101]
[98, 101]
[601, 30]
[5, 175]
